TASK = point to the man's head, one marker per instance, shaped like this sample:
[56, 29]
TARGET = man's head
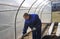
[26, 16]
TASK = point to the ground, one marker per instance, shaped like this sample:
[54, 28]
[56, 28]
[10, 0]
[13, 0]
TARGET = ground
[56, 16]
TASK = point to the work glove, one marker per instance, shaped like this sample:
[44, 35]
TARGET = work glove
[34, 28]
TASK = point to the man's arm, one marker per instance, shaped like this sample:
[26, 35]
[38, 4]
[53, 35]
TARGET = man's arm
[25, 28]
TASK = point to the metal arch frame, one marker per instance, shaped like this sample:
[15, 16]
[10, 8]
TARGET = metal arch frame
[42, 11]
[38, 6]
[41, 7]
[16, 17]
[44, 7]
[32, 5]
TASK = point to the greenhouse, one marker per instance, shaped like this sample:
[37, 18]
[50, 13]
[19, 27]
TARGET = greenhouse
[12, 21]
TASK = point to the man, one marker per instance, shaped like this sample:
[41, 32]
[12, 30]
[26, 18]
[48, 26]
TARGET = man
[33, 21]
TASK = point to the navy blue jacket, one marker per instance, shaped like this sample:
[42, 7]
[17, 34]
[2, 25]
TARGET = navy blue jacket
[33, 21]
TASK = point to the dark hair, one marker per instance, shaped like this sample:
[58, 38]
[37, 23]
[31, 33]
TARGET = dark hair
[26, 14]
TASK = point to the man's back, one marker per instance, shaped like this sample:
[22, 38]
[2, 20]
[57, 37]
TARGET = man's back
[33, 20]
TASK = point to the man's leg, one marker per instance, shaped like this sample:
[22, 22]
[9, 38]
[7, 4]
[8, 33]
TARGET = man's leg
[34, 35]
[38, 35]
[38, 31]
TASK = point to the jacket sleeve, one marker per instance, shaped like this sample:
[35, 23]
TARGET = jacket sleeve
[25, 28]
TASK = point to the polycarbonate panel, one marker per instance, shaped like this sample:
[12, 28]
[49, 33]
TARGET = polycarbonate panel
[38, 2]
[11, 2]
[28, 3]
[45, 12]
[7, 25]
[7, 14]
[3, 7]
[7, 33]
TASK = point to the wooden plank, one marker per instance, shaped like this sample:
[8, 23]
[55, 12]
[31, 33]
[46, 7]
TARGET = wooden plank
[50, 29]
[58, 30]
